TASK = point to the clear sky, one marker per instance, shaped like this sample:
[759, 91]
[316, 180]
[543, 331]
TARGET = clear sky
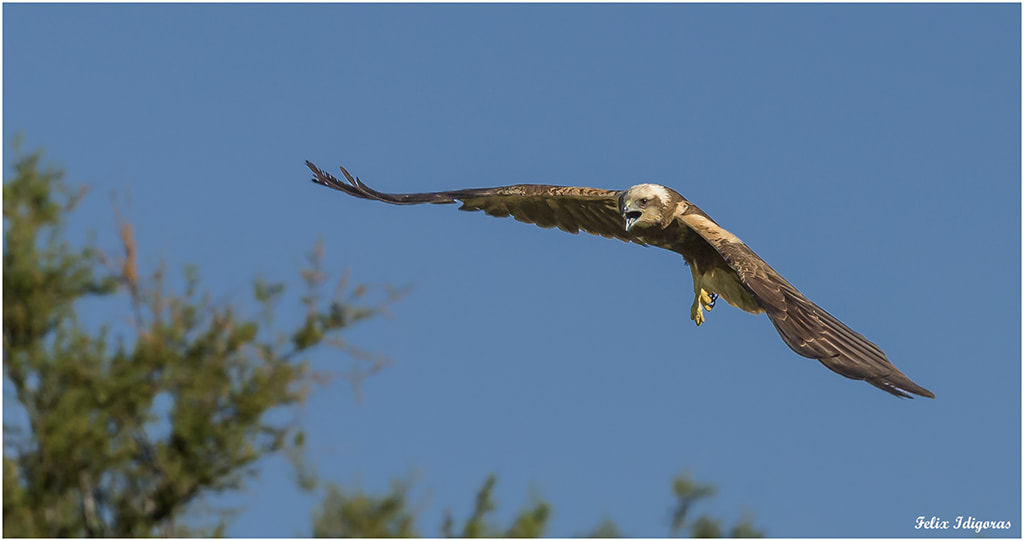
[870, 153]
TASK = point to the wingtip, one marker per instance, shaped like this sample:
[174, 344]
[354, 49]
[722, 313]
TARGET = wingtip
[911, 387]
[904, 389]
[317, 173]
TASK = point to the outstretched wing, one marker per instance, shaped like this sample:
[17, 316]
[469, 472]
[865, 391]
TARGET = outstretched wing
[805, 327]
[571, 209]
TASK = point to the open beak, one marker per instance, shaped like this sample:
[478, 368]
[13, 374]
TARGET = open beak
[631, 217]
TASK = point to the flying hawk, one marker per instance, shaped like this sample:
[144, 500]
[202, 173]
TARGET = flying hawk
[721, 264]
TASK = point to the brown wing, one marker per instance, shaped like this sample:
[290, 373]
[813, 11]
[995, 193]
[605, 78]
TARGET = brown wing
[571, 209]
[805, 327]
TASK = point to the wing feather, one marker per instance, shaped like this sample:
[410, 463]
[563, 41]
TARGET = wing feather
[804, 326]
[571, 209]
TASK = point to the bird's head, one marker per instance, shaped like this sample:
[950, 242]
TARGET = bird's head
[645, 205]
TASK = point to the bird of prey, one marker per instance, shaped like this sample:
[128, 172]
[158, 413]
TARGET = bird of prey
[722, 266]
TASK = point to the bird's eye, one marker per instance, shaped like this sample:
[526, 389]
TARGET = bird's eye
[643, 201]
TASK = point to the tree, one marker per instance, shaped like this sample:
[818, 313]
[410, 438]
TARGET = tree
[360, 515]
[688, 493]
[125, 428]
[530, 522]
[125, 432]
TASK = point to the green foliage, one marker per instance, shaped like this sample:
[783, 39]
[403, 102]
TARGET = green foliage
[530, 522]
[689, 493]
[123, 436]
[605, 529]
[359, 515]
[745, 528]
[125, 428]
[344, 514]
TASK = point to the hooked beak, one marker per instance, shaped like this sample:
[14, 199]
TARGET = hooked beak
[631, 217]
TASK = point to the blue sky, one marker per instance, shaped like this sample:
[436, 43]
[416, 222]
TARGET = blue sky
[870, 153]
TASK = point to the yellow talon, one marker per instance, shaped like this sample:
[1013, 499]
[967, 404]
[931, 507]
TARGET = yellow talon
[701, 303]
[696, 314]
[705, 300]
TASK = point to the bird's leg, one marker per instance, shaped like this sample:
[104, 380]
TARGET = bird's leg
[703, 300]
